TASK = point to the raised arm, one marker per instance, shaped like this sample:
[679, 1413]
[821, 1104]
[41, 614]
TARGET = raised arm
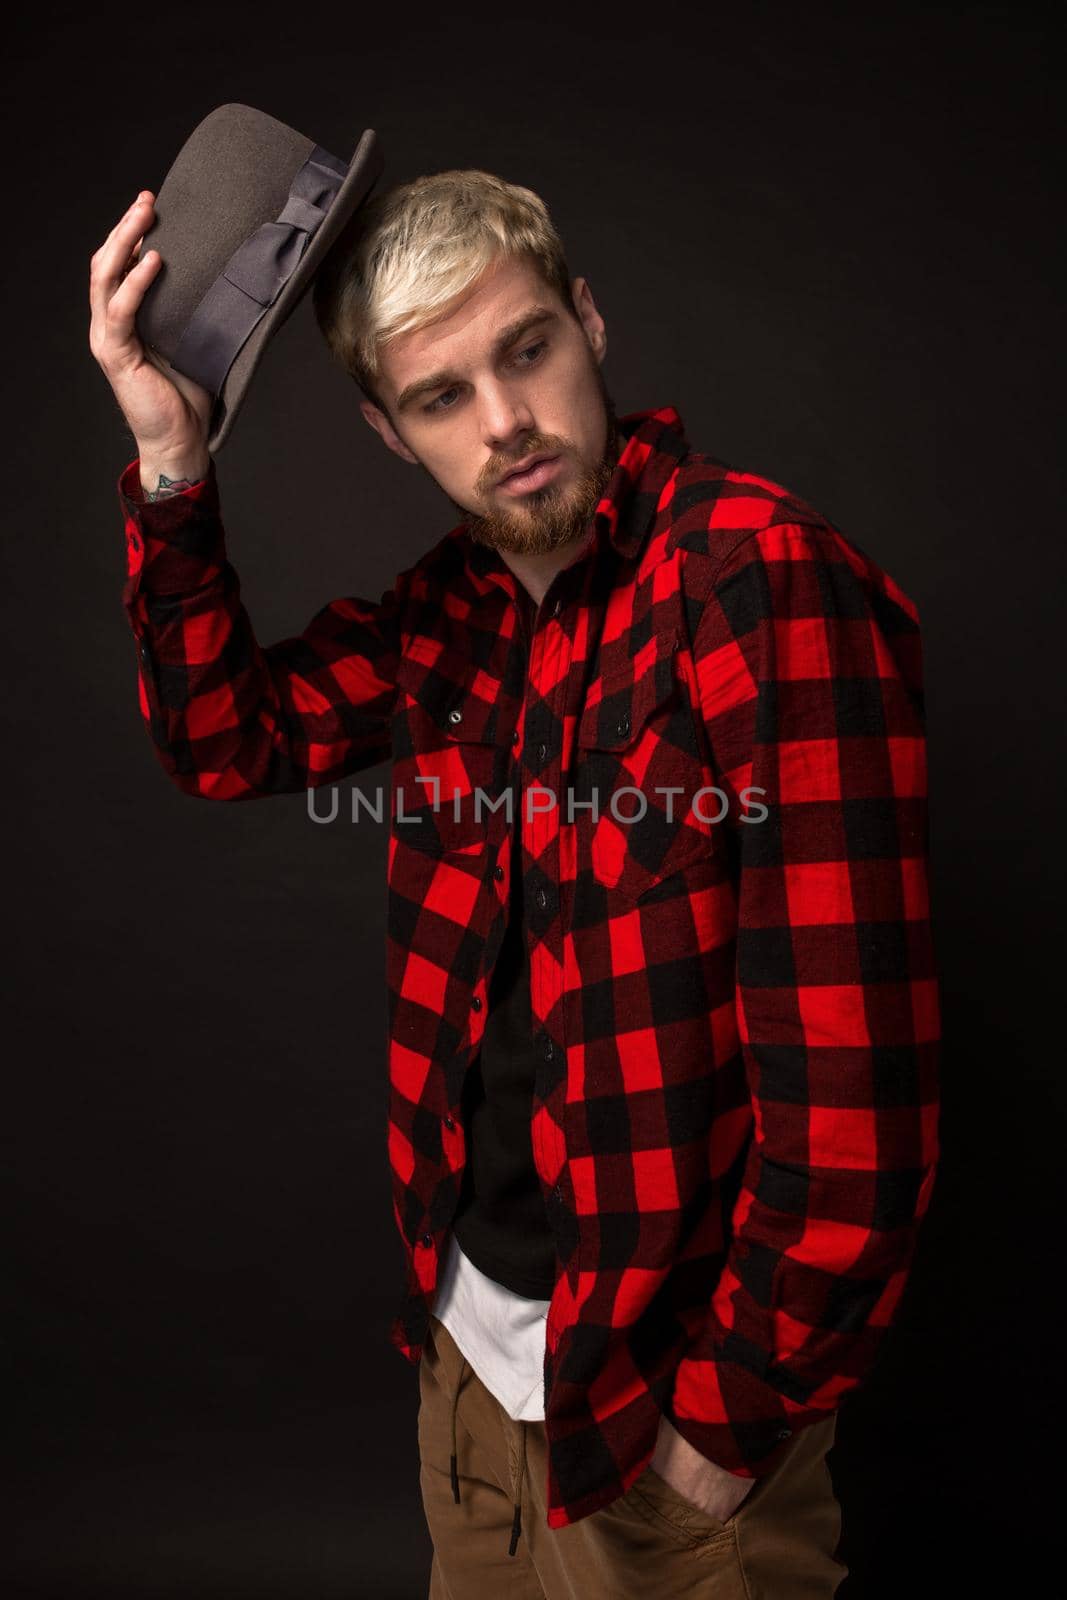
[230, 719]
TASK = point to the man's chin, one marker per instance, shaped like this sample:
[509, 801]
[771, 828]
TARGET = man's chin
[534, 530]
[548, 520]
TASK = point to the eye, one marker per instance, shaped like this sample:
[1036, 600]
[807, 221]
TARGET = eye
[533, 350]
[435, 405]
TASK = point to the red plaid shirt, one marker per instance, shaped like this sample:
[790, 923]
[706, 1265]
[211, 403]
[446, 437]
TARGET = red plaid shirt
[736, 1108]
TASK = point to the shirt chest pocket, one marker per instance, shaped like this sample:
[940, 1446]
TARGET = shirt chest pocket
[448, 763]
[638, 813]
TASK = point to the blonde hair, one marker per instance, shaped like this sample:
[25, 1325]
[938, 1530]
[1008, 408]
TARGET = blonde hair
[408, 252]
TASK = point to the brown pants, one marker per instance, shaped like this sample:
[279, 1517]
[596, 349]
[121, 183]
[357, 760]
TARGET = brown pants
[650, 1543]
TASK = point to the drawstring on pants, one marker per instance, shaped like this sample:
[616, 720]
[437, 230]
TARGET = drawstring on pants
[516, 1521]
[453, 1469]
[453, 1466]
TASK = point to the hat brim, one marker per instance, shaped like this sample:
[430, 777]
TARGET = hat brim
[364, 169]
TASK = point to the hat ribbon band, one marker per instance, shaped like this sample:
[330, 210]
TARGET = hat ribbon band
[256, 273]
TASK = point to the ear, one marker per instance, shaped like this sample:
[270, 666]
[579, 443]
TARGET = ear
[378, 420]
[590, 317]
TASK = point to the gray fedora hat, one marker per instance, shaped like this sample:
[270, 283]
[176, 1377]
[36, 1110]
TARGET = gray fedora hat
[244, 218]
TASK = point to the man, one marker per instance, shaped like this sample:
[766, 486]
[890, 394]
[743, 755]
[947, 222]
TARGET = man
[662, 1000]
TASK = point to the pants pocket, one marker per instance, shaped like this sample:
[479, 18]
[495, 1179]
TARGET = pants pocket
[657, 1501]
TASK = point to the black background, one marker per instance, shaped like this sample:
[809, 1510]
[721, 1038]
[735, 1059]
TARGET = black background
[826, 234]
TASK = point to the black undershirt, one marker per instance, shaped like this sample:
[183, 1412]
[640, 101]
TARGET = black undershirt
[500, 1220]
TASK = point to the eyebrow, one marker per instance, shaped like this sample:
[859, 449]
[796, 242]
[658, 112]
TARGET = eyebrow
[513, 331]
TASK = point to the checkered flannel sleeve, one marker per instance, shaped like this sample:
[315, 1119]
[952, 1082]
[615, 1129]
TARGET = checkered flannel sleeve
[809, 667]
[231, 719]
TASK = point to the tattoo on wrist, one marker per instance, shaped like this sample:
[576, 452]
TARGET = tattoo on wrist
[168, 486]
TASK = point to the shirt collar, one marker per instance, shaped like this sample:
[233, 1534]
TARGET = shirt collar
[655, 444]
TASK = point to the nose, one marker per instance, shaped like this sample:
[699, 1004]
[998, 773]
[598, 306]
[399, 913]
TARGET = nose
[506, 420]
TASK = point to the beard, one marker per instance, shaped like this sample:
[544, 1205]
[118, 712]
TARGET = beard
[556, 514]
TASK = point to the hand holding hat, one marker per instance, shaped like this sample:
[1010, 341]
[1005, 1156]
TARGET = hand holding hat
[244, 218]
[167, 413]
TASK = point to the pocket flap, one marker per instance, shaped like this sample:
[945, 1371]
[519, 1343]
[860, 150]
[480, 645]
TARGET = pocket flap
[458, 695]
[619, 704]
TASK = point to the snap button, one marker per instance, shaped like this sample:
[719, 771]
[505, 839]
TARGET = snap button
[542, 752]
[624, 723]
[455, 716]
[449, 1124]
[557, 608]
[427, 1239]
[498, 872]
[476, 1004]
[549, 1048]
[542, 898]
[785, 1433]
[515, 737]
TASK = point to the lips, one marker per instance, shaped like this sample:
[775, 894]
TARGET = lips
[524, 466]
